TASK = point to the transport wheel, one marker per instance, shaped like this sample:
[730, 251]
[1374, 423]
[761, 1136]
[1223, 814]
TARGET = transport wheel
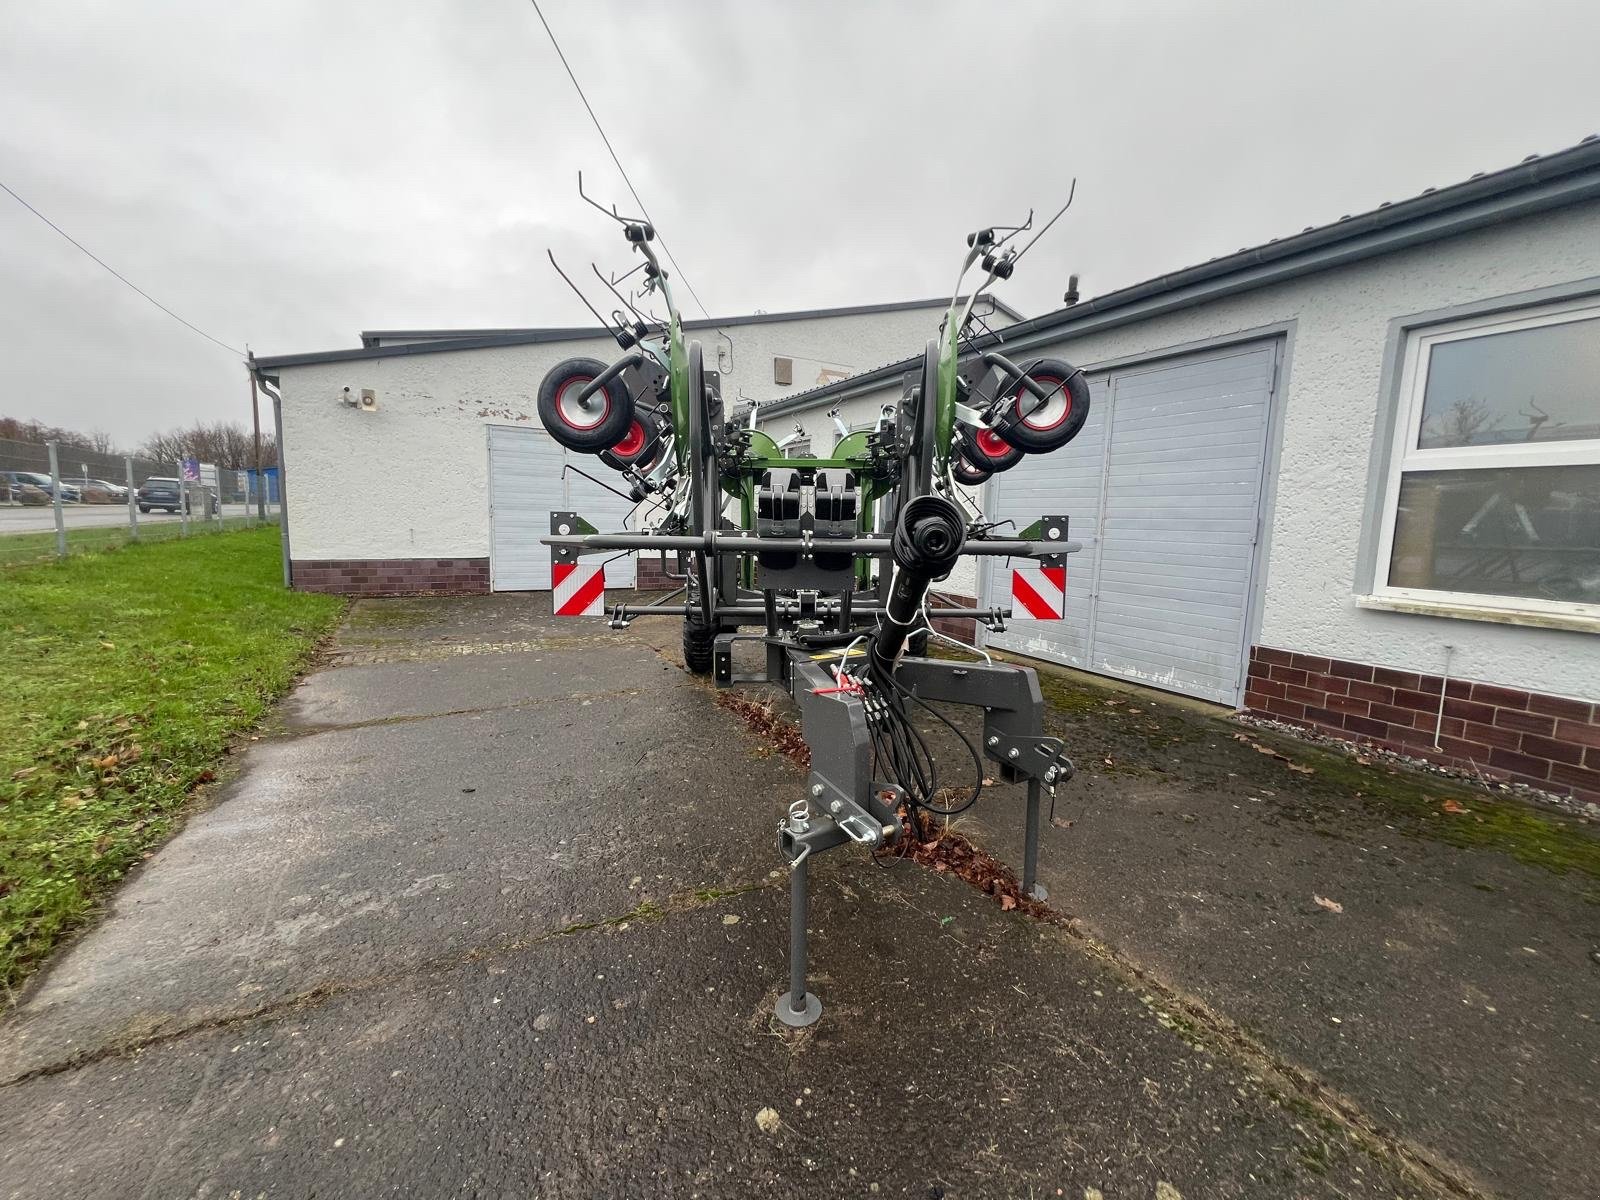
[589, 428]
[1055, 422]
[966, 474]
[698, 638]
[987, 450]
[642, 441]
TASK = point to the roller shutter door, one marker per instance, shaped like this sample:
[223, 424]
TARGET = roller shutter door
[1164, 488]
[525, 486]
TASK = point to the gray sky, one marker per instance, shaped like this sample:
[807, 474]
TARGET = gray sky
[288, 173]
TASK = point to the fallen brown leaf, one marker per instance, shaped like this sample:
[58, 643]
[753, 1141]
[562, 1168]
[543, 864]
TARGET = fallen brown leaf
[1332, 906]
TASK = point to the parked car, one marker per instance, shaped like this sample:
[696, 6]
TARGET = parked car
[165, 493]
[15, 486]
[117, 492]
[69, 494]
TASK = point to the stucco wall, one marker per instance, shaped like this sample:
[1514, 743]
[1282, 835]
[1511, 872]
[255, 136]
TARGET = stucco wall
[411, 480]
[1329, 406]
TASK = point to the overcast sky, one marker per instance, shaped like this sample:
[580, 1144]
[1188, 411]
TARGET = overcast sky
[286, 174]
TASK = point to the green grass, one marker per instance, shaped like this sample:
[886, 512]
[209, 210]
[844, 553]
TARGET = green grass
[126, 673]
[39, 546]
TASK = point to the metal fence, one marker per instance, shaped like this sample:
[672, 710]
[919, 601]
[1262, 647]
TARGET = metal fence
[58, 500]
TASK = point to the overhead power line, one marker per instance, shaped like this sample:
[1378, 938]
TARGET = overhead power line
[601, 129]
[108, 267]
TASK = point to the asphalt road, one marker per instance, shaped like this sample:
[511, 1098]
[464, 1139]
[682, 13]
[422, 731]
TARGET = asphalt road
[17, 518]
[495, 910]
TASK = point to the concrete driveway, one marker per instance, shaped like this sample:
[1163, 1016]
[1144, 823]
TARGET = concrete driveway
[495, 910]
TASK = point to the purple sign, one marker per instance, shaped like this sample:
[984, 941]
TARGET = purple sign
[191, 470]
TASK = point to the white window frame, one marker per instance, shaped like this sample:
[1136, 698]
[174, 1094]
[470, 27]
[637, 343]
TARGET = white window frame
[1404, 457]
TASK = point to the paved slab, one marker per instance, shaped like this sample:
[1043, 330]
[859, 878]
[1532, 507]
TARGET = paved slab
[964, 1054]
[371, 968]
[1453, 998]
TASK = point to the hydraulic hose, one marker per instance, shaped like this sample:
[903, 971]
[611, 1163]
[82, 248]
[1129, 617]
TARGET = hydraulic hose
[926, 544]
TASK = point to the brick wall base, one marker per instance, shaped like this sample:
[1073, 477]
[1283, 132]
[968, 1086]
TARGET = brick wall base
[390, 576]
[963, 628]
[1550, 742]
[650, 577]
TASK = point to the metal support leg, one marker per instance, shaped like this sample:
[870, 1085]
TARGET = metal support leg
[1030, 850]
[798, 1008]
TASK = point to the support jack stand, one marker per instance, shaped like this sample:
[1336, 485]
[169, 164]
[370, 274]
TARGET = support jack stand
[797, 1007]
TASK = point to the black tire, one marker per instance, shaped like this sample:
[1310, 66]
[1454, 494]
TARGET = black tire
[966, 474]
[698, 645]
[144, 508]
[987, 450]
[1053, 426]
[640, 445]
[567, 422]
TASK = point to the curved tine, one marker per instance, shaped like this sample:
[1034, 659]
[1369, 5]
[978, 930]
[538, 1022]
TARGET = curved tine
[610, 212]
[1070, 195]
[575, 290]
[614, 292]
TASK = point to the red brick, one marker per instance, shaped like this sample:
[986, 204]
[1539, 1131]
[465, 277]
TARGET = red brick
[1459, 689]
[1561, 706]
[1574, 731]
[1551, 748]
[1492, 735]
[1452, 727]
[1331, 684]
[1512, 718]
[1367, 726]
[1420, 701]
[1289, 675]
[1591, 757]
[1267, 687]
[1581, 777]
[1327, 717]
[1268, 655]
[1311, 662]
[1371, 691]
[1462, 750]
[1483, 714]
[1397, 716]
[1412, 736]
[1256, 701]
[1304, 695]
[1522, 764]
[1392, 678]
[1347, 705]
[1286, 709]
[1352, 670]
[1501, 697]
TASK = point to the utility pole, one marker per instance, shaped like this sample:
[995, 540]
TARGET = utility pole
[255, 413]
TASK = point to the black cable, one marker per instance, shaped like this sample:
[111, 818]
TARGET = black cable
[108, 267]
[977, 760]
[601, 130]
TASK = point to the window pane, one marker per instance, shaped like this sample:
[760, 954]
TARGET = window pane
[1521, 531]
[1531, 385]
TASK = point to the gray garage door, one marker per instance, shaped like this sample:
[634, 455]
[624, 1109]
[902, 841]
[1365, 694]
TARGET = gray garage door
[525, 486]
[1164, 488]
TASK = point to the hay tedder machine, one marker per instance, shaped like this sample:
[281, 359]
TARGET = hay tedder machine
[827, 563]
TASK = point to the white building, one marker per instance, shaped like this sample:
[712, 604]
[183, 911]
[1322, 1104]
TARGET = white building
[448, 482]
[1349, 478]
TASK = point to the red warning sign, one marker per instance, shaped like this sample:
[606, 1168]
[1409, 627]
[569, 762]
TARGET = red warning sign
[580, 591]
[1039, 593]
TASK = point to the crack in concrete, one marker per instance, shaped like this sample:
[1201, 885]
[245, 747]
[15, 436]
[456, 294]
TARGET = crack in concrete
[646, 913]
[311, 730]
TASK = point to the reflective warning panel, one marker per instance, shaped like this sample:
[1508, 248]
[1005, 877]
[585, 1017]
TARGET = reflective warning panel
[1038, 593]
[580, 591]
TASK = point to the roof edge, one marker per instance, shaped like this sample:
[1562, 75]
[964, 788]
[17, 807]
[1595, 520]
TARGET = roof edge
[1535, 185]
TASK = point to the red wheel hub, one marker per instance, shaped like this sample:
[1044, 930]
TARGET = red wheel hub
[632, 442]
